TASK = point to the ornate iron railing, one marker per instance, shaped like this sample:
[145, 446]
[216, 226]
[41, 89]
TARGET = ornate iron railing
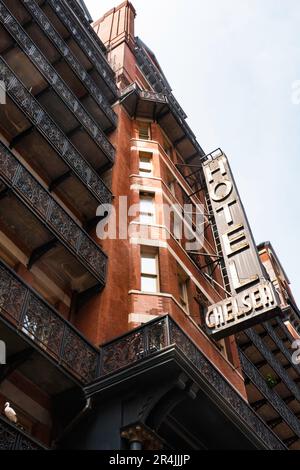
[13, 438]
[81, 37]
[163, 333]
[53, 216]
[53, 135]
[43, 21]
[45, 328]
[273, 398]
[55, 81]
[280, 344]
[276, 366]
[88, 27]
[160, 85]
[144, 94]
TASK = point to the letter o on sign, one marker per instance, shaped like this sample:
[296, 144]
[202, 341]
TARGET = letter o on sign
[218, 195]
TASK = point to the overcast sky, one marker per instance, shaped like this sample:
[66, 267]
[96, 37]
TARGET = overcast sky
[232, 65]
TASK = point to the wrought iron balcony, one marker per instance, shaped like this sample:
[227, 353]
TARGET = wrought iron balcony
[53, 217]
[61, 45]
[164, 333]
[52, 134]
[45, 329]
[272, 361]
[175, 126]
[272, 397]
[79, 12]
[86, 44]
[56, 83]
[13, 438]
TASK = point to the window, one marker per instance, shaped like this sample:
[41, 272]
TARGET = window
[146, 165]
[171, 186]
[183, 288]
[167, 147]
[144, 131]
[171, 183]
[183, 292]
[149, 272]
[147, 211]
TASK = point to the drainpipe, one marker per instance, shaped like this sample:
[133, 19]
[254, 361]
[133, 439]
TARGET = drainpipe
[86, 409]
[136, 445]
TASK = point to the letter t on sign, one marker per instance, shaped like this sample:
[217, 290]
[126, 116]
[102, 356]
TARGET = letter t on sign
[213, 168]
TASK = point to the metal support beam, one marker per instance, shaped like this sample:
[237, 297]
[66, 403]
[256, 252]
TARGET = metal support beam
[13, 362]
[42, 92]
[8, 49]
[259, 404]
[260, 364]
[15, 140]
[292, 440]
[85, 296]
[273, 423]
[4, 193]
[191, 158]
[59, 180]
[73, 131]
[178, 141]
[37, 254]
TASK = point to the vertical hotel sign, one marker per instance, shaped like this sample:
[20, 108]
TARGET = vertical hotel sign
[253, 298]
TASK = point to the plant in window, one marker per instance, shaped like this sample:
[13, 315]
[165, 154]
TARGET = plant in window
[271, 381]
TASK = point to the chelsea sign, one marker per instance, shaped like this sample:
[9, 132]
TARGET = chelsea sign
[253, 297]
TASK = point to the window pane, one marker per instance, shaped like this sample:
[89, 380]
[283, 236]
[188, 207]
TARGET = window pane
[146, 219]
[149, 284]
[145, 164]
[146, 204]
[149, 265]
[144, 130]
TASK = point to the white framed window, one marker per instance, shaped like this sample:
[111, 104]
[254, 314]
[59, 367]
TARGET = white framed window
[146, 164]
[147, 209]
[149, 272]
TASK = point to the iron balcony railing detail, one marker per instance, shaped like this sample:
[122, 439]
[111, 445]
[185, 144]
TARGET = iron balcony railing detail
[13, 438]
[45, 328]
[54, 217]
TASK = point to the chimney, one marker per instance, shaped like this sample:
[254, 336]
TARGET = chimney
[116, 31]
[117, 26]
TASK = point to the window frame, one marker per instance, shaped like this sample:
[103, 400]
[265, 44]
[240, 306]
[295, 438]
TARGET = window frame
[150, 254]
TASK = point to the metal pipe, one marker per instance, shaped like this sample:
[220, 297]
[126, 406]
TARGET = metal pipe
[136, 445]
[87, 407]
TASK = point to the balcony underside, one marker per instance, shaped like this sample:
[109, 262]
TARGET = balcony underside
[74, 37]
[81, 45]
[56, 98]
[44, 232]
[56, 50]
[265, 357]
[175, 386]
[156, 106]
[49, 350]
[29, 129]
[36, 368]
[173, 401]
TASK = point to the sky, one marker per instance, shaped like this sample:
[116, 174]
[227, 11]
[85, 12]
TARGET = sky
[234, 66]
